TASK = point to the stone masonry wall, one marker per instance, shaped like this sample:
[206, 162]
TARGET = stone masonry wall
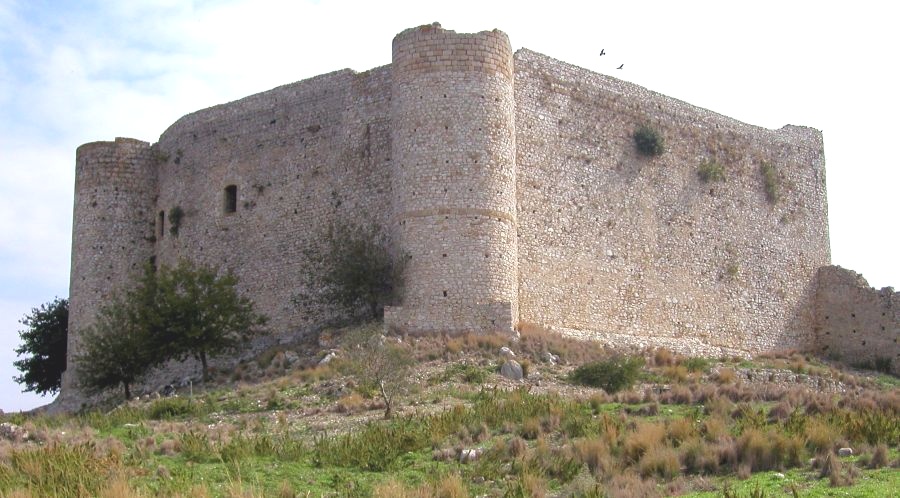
[634, 250]
[855, 323]
[112, 229]
[453, 119]
[512, 185]
[301, 157]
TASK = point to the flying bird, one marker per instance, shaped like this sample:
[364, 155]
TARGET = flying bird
[602, 51]
[620, 67]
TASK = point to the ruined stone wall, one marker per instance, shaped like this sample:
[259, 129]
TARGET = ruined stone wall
[112, 229]
[636, 250]
[855, 323]
[453, 119]
[301, 157]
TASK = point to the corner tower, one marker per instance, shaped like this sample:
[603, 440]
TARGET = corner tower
[454, 180]
[112, 230]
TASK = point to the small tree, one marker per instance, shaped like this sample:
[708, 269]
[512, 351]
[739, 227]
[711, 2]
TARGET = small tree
[351, 269]
[170, 313]
[45, 340]
[198, 313]
[117, 349]
[378, 364]
[612, 375]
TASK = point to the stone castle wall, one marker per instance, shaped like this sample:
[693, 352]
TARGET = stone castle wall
[854, 322]
[453, 120]
[617, 246]
[510, 182]
[301, 157]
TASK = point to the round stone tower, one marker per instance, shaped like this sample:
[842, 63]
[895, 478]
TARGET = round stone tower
[112, 230]
[454, 180]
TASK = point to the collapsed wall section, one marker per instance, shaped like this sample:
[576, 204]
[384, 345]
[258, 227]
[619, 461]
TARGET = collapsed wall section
[261, 180]
[454, 180]
[640, 250]
[112, 231]
[855, 323]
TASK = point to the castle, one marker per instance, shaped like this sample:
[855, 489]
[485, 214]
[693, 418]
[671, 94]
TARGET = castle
[513, 184]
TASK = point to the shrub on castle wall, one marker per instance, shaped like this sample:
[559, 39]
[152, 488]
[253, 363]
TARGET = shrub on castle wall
[649, 141]
[770, 181]
[711, 171]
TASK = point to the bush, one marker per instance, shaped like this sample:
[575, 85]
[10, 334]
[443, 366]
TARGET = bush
[172, 407]
[711, 171]
[649, 142]
[612, 375]
[770, 180]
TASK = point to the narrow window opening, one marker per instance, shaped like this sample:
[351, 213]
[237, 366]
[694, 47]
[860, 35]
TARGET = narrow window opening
[445, 293]
[161, 225]
[231, 199]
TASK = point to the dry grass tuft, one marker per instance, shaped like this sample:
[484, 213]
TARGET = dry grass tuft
[726, 376]
[645, 436]
[630, 485]
[660, 461]
[595, 453]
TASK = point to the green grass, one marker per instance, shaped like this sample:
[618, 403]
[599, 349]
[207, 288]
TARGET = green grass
[227, 438]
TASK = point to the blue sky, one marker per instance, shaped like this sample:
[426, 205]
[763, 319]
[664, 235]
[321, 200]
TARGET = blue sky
[73, 72]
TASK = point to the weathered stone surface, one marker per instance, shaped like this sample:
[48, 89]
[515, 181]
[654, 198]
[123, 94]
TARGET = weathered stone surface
[856, 323]
[512, 370]
[845, 452]
[511, 183]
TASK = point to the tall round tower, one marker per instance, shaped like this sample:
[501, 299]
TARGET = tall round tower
[112, 230]
[454, 180]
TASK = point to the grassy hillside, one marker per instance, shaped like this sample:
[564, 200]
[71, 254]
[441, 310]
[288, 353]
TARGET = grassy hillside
[283, 426]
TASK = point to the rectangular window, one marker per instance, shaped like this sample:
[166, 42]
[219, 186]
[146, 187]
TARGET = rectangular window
[231, 199]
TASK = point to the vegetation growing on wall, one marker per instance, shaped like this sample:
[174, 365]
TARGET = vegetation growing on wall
[649, 141]
[770, 181]
[711, 171]
[175, 216]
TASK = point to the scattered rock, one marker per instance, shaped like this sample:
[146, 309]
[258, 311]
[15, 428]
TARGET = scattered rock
[13, 432]
[291, 358]
[470, 455]
[512, 370]
[167, 390]
[779, 475]
[845, 452]
[328, 357]
[505, 352]
[444, 454]
[550, 358]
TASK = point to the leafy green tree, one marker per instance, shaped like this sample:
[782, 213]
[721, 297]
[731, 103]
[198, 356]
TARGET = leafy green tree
[45, 340]
[170, 313]
[352, 269]
[117, 349]
[197, 312]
